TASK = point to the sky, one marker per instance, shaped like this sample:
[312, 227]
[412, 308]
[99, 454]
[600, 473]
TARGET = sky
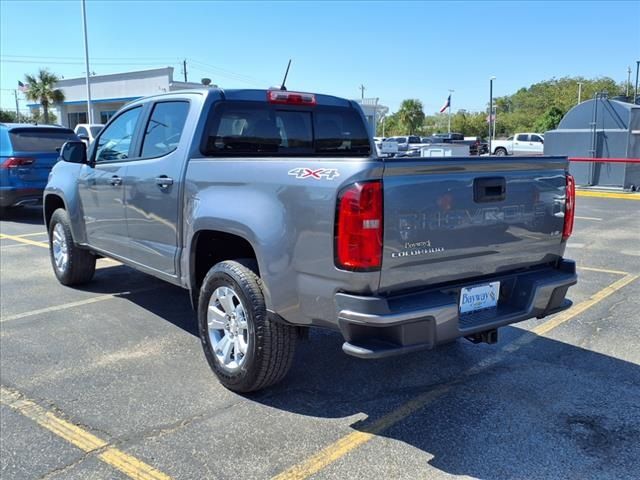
[397, 50]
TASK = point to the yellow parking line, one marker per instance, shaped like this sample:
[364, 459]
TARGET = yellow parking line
[24, 240]
[65, 306]
[32, 234]
[603, 270]
[80, 438]
[624, 196]
[350, 442]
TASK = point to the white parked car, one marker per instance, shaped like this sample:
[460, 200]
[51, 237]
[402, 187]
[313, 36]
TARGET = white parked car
[87, 132]
[519, 144]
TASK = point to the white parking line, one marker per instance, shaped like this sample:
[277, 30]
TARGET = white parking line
[65, 306]
[595, 219]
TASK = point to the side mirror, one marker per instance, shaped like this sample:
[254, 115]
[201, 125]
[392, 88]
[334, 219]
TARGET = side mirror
[74, 152]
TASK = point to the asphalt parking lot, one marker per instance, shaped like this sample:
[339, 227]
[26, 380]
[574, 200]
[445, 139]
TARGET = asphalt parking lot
[109, 381]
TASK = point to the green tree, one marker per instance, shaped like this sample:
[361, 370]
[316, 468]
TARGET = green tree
[411, 116]
[7, 116]
[41, 89]
[549, 120]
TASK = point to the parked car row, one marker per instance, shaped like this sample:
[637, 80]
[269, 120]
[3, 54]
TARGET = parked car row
[410, 145]
[27, 154]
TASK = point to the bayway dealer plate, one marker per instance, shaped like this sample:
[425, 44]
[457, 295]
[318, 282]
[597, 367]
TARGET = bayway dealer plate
[479, 297]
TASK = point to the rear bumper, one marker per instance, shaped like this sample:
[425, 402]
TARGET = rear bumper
[13, 197]
[376, 327]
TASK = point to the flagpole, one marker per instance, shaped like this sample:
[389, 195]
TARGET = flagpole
[450, 95]
[15, 94]
[86, 62]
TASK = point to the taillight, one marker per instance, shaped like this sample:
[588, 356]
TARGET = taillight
[15, 162]
[291, 98]
[359, 227]
[569, 207]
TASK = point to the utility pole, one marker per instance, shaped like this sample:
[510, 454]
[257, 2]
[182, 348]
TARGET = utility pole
[490, 110]
[450, 94]
[86, 62]
[362, 89]
[184, 69]
[15, 94]
[628, 81]
[579, 92]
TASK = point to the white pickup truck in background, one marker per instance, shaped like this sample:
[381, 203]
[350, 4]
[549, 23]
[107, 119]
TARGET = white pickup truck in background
[519, 144]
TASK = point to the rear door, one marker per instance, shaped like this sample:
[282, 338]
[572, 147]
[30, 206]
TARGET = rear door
[521, 144]
[536, 145]
[447, 220]
[100, 184]
[39, 149]
[153, 187]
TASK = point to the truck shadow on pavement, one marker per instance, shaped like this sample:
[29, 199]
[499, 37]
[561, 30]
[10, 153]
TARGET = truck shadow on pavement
[548, 410]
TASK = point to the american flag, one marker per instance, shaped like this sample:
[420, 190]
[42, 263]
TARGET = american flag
[22, 87]
[446, 105]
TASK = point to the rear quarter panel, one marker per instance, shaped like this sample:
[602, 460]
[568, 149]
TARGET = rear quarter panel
[289, 221]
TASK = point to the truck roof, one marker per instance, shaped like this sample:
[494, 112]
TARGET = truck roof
[256, 95]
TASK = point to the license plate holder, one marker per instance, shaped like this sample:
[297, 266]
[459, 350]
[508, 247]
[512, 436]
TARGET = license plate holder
[479, 297]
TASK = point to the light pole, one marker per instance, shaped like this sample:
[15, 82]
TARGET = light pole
[490, 110]
[628, 81]
[579, 92]
[635, 91]
[86, 62]
[450, 93]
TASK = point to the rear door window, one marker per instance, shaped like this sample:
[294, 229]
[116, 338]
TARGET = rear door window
[164, 128]
[44, 140]
[522, 138]
[254, 128]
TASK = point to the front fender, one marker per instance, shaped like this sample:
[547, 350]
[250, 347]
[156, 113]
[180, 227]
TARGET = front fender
[63, 183]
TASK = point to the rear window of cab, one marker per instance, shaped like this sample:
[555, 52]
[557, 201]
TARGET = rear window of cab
[43, 140]
[261, 129]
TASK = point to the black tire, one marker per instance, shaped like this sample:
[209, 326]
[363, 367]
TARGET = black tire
[81, 264]
[501, 152]
[271, 345]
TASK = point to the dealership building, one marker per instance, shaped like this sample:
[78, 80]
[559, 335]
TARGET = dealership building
[110, 92]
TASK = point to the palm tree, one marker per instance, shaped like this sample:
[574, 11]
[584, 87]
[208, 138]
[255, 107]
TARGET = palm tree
[40, 88]
[411, 115]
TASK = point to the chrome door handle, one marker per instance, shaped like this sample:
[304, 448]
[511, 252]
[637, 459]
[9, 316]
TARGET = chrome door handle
[164, 181]
[116, 181]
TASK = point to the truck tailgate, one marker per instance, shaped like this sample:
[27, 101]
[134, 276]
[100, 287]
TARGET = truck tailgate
[453, 219]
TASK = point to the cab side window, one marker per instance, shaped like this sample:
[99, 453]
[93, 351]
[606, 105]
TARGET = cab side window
[522, 138]
[164, 128]
[82, 131]
[115, 142]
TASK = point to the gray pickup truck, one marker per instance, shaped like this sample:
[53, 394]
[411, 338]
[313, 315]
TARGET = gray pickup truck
[273, 209]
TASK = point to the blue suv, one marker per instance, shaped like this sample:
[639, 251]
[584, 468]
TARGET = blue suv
[27, 154]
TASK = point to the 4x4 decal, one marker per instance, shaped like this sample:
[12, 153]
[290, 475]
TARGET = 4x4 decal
[317, 174]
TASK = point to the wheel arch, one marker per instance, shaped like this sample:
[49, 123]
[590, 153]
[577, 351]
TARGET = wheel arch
[211, 246]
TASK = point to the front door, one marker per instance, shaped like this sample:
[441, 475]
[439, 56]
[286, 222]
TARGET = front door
[153, 188]
[101, 185]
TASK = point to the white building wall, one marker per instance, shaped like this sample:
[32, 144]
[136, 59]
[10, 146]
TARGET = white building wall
[120, 85]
